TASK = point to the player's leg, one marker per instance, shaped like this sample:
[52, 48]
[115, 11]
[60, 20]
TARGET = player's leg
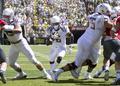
[3, 66]
[12, 58]
[26, 49]
[116, 49]
[112, 59]
[80, 58]
[71, 67]
[93, 59]
[53, 56]
[61, 54]
[91, 66]
[92, 62]
[67, 67]
[107, 52]
[117, 69]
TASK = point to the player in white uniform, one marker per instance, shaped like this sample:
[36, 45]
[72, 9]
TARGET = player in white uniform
[88, 40]
[92, 59]
[57, 35]
[19, 44]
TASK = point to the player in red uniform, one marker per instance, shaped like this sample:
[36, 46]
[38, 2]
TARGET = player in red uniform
[109, 55]
[3, 62]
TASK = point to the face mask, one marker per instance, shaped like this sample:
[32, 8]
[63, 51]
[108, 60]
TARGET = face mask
[6, 19]
[56, 27]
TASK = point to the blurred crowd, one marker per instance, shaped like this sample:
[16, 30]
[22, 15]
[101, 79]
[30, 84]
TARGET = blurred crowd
[34, 14]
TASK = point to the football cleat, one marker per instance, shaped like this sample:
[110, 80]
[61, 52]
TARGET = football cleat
[46, 75]
[55, 76]
[106, 76]
[97, 74]
[75, 74]
[20, 76]
[3, 79]
[88, 76]
[116, 82]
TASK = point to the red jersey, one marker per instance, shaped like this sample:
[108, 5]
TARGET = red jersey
[117, 35]
[118, 31]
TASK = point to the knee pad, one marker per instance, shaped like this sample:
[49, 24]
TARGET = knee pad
[90, 64]
[52, 62]
[72, 66]
[91, 67]
[59, 59]
[69, 66]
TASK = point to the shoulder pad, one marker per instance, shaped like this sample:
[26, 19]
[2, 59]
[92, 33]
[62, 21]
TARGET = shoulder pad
[62, 28]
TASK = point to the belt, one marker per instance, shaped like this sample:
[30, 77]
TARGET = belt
[16, 42]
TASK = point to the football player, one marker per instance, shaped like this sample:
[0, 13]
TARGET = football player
[3, 62]
[115, 47]
[109, 58]
[57, 34]
[19, 44]
[87, 41]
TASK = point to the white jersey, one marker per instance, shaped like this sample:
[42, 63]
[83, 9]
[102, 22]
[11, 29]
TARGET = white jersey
[89, 42]
[96, 28]
[14, 37]
[58, 36]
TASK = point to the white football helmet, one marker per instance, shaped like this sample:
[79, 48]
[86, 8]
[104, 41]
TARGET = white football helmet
[8, 12]
[55, 19]
[117, 10]
[104, 8]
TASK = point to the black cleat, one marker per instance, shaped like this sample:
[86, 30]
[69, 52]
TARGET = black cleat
[3, 79]
[116, 82]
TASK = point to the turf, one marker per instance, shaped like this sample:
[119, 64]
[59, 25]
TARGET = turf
[34, 76]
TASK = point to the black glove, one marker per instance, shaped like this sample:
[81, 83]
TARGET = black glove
[48, 41]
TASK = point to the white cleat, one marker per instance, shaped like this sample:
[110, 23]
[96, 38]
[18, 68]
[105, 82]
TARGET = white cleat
[106, 76]
[47, 76]
[75, 74]
[55, 76]
[20, 76]
[97, 74]
[88, 76]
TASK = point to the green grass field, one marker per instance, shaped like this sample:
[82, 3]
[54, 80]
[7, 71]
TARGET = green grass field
[65, 79]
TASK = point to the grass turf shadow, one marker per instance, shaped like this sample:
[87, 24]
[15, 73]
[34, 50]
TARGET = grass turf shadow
[81, 82]
[28, 78]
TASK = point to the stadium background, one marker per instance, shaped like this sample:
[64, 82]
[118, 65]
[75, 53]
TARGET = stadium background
[39, 11]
